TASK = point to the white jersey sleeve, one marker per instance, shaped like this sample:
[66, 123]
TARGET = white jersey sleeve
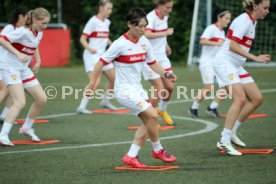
[150, 58]
[7, 29]
[150, 22]
[112, 52]
[207, 34]
[89, 27]
[240, 31]
[15, 35]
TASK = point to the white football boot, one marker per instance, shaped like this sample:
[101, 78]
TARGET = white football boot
[228, 148]
[108, 105]
[30, 134]
[4, 140]
[236, 140]
[83, 111]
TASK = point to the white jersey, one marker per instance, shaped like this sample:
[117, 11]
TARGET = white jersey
[97, 31]
[241, 30]
[7, 29]
[24, 40]
[129, 57]
[215, 34]
[157, 24]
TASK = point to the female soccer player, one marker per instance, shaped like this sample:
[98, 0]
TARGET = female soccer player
[157, 33]
[129, 53]
[97, 31]
[211, 40]
[22, 45]
[17, 19]
[233, 54]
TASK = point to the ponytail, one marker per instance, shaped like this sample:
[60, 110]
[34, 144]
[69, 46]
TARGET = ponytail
[248, 4]
[38, 14]
[29, 19]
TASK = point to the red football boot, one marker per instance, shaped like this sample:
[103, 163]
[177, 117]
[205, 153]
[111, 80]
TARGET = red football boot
[133, 161]
[164, 156]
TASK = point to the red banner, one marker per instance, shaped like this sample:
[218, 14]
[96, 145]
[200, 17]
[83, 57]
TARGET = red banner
[54, 48]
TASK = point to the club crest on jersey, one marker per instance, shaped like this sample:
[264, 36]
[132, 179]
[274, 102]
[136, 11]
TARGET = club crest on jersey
[140, 105]
[144, 47]
[231, 76]
[14, 77]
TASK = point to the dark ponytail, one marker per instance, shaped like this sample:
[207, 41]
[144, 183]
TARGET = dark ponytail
[15, 15]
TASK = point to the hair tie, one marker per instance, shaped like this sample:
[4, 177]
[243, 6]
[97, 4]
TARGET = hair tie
[223, 13]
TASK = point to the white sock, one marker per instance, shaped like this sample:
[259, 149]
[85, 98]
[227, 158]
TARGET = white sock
[225, 136]
[156, 146]
[163, 105]
[195, 105]
[6, 128]
[4, 113]
[134, 150]
[83, 103]
[28, 123]
[236, 127]
[214, 105]
[105, 99]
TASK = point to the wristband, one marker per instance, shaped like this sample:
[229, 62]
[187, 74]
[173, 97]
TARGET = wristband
[166, 75]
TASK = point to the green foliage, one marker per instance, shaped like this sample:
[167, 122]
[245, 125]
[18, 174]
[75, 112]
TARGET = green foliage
[76, 13]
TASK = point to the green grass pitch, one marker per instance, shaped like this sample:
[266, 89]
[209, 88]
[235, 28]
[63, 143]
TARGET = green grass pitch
[91, 146]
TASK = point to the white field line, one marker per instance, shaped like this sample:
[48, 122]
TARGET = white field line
[58, 115]
[268, 90]
[191, 100]
[210, 126]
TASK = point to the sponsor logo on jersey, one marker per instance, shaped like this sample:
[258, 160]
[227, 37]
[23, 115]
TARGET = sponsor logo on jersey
[102, 34]
[138, 58]
[249, 42]
[27, 50]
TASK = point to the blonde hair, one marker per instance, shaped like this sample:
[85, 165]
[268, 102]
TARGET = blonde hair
[248, 4]
[38, 14]
[103, 2]
[161, 2]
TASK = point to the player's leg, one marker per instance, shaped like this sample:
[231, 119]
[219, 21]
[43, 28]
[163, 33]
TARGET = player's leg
[238, 102]
[109, 72]
[166, 96]
[39, 98]
[15, 89]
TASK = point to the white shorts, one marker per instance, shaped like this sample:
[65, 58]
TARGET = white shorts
[1, 78]
[149, 74]
[245, 77]
[25, 77]
[165, 63]
[227, 74]
[207, 74]
[135, 100]
[90, 61]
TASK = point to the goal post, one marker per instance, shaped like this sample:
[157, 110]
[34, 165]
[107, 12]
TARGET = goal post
[204, 14]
